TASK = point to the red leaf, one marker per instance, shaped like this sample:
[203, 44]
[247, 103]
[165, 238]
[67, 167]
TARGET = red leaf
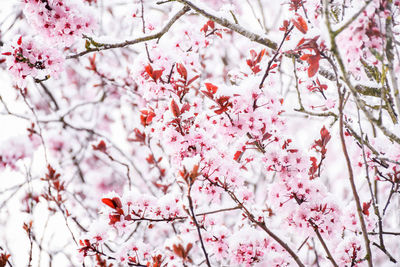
[301, 42]
[150, 117]
[305, 57]
[260, 56]
[220, 111]
[249, 62]
[211, 88]
[175, 109]
[325, 135]
[300, 24]
[185, 107]
[157, 75]
[117, 202]
[313, 69]
[108, 202]
[149, 70]
[181, 70]
[237, 155]
[193, 79]
[208, 94]
[314, 167]
[211, 24]
[19, 42]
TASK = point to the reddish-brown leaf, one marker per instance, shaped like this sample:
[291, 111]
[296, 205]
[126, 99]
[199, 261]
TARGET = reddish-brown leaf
[157, 75]
[174, 109]
[101, 146]
[178, 250]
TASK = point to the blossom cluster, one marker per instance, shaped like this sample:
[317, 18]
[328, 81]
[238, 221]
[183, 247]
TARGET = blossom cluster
[26, 57]
[59, 21]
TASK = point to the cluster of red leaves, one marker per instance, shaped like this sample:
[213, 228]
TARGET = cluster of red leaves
[177, 121]
[365, 208]
[156, 261]
[320, 147]
[182, 252]
[318, 87]
[118, 212]
[296, 4]
[55, 185]
[139, 136]
[87, 247]
[181, 86]
[115, 203]
[285, 28]
[154, 74]
[254, 61]
[209, 29]
[190, 177]
[222, 102]
[312, 59]
[146, 116]
[154, 163]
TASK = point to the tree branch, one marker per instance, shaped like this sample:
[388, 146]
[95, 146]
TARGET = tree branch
[158, 35]
[232, 26]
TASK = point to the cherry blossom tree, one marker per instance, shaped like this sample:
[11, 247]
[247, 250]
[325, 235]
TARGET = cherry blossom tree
[200, 133]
